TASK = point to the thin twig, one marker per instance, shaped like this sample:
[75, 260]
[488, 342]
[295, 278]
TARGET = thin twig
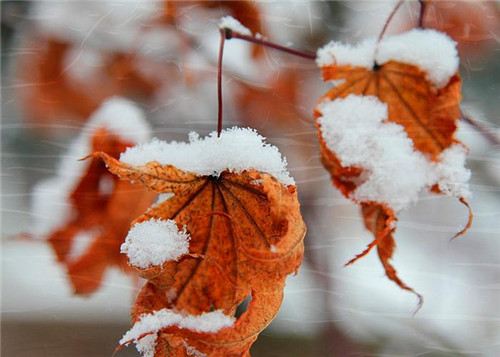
[423, 7]
[384, 29]
[219, 81]
[260, 41]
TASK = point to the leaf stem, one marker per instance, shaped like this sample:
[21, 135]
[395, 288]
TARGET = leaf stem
[229, 34]
[423, 7]
[219, 82]
[384, 29]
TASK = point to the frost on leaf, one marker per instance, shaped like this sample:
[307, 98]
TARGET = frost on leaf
[387, 127]
[245, 232]
[86, 203]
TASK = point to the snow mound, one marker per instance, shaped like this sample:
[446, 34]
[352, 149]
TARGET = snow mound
[432, 51]
[354, 128]
[236, 150]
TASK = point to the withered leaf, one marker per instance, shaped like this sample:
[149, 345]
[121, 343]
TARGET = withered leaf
[246, 237]
[100, 217]
[428, 116]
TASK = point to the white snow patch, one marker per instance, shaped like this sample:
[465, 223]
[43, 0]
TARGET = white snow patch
[50, 207]
[162, 197]
[453, 178]
[123, 118]
[432, 51]
[236, 150]
[229, 22]
[146, 345]
[354, 129]
[80, 245]
[152, 323]
[151, 243]
[106, 185]
[83, 64]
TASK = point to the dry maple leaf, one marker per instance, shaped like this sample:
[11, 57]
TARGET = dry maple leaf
[246, 237]
[88, 222]
[99, 217]
[424, 102]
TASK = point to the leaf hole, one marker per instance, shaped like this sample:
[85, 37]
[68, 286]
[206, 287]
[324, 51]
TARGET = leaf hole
[243, 306]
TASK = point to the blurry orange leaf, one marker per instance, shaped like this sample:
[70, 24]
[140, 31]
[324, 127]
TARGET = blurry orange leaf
[90, 242]
[276, 103]
[50, 93]
[473, 24]
[246, 237]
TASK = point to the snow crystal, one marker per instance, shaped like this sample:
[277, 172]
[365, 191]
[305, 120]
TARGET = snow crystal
[229, 22]
[237, 149]
[354, 129]
[432, 51]
[152, 323]
[50, 207]
[153, 242]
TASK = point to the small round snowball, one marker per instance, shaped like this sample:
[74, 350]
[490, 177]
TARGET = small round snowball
[151, 243]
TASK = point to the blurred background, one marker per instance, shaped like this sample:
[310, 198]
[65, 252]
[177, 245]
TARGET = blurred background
[61, 60]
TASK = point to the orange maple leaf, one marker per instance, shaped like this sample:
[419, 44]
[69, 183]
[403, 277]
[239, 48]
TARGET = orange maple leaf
[100, 218]
[428, 115]
[246, 237]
